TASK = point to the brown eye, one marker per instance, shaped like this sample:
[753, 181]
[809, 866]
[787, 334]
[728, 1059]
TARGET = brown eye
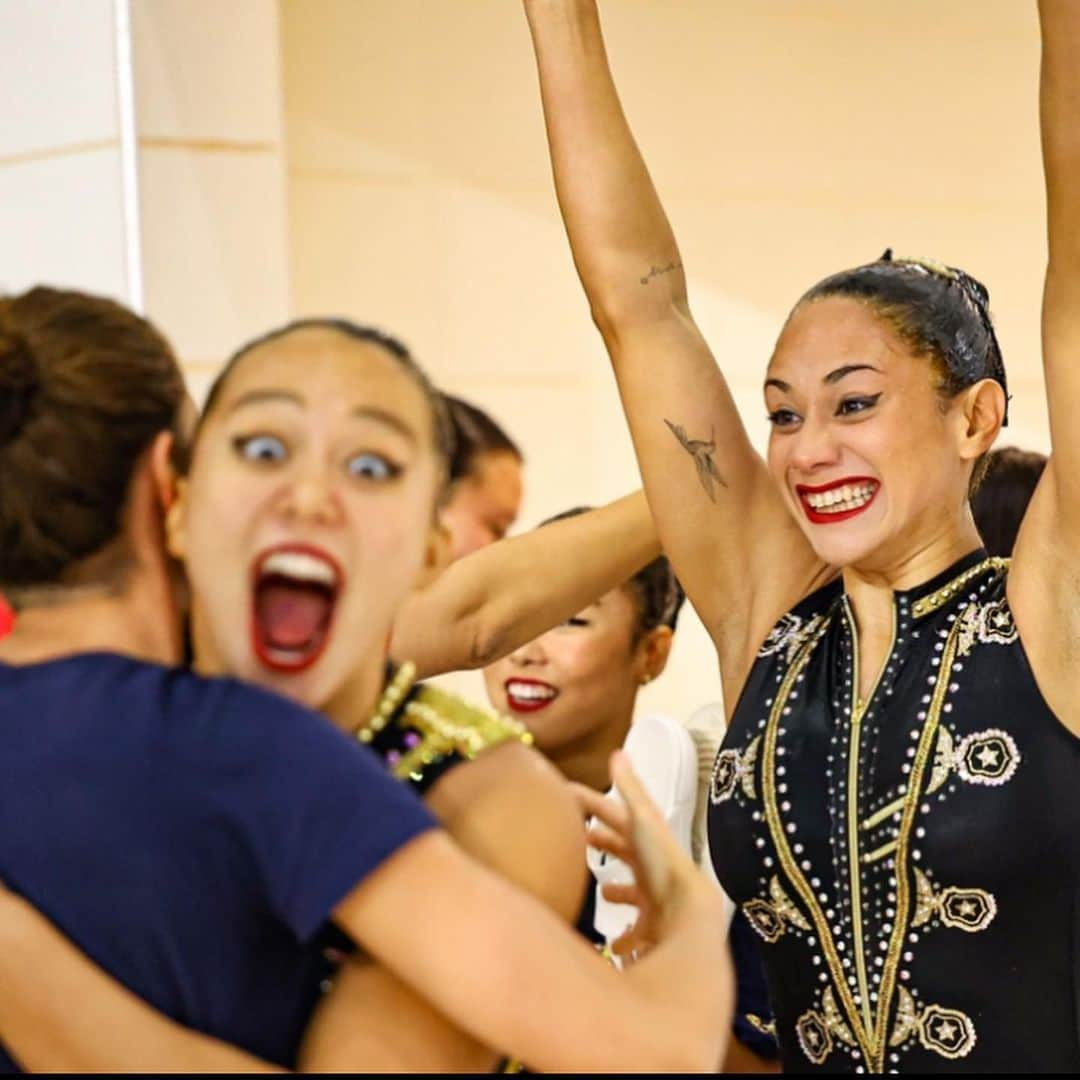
[782, 418]
[854, 405]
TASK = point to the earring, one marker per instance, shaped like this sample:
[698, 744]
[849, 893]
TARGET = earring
[645, 679]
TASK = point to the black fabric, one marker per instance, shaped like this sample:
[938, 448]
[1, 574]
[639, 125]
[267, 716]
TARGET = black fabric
[966, 926]
[751, 990]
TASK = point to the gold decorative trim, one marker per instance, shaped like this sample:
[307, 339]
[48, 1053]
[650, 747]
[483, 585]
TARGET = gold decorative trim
[766, 1027]
[926, 605]
[879, 853]
[783, 850]
[858, 710]
[446, 724]
[883, 814]
[927, 740]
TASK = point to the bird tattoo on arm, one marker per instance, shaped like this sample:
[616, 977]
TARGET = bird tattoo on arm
[702, 453]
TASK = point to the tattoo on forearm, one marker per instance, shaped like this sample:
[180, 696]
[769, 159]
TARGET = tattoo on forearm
[656, 271]
[702, 453]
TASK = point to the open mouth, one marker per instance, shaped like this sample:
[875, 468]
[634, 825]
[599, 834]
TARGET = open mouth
[838, 501]
[295, 591]
[529, 695]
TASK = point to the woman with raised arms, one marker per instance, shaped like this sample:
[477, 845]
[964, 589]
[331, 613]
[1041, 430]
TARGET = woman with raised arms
[193, 834]
[894, 804]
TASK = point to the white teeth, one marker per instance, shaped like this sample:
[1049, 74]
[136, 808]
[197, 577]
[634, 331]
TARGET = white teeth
[838, 500]
[530, 691]
[300, 567]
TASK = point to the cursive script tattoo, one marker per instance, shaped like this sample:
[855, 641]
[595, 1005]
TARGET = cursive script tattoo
[702, 453]
[656, 271]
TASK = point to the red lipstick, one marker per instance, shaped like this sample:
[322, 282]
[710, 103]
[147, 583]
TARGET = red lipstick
[294, 589]
[528, 695]
[863, 489]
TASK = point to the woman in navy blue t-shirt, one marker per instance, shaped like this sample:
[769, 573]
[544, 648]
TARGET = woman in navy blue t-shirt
[177, 828]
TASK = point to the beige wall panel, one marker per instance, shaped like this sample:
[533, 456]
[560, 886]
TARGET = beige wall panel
[207, 69]
[788, 139]
[58, 76]
[213, 247]
[62, 224]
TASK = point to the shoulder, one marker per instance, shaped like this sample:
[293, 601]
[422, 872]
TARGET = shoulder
[247, 738]
[514, 811]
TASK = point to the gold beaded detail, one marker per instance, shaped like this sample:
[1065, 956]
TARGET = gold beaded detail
[931, 602]
[445, 724]
[390, 702]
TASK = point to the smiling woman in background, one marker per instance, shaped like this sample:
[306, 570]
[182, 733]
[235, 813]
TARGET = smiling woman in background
[576, 687]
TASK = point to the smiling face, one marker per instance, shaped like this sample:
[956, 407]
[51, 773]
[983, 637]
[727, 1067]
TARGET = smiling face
[868, 457]
[578, 683]
[308, 514]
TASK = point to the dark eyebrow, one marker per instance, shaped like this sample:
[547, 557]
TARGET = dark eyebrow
[847, 369]
[255, 397]
[779, 384]
[381, 416]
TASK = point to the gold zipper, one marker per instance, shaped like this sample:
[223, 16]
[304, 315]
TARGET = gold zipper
[858, 710]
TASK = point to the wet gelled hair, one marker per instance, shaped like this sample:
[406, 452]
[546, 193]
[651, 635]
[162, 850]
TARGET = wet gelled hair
[85, 387]
[442, 430]
[937, 310]
[656, 589]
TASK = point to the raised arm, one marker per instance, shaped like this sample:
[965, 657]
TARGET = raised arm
[1042, 587]
[495, 600]
[734, 546]
[1059, 109]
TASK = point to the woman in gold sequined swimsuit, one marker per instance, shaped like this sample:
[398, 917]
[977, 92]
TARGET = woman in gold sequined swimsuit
[894, 806]
[306, 514]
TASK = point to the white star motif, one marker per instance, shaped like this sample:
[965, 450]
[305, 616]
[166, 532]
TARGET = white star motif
[988, 757]
[946, 1031]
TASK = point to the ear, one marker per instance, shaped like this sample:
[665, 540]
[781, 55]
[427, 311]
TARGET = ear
[438, 554]
[983, 412]
[653, 651]
[162, 473]
[176, 518]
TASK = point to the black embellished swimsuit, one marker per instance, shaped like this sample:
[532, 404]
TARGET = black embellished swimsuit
[911, 865]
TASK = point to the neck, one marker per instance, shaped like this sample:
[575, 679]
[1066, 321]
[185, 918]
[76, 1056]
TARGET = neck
[587, 760]
[91, 620]
[354, 704]
[870, 590]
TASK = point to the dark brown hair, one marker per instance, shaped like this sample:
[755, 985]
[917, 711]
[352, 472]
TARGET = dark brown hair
[1002, 499]
[85, 387]
[938, 311]
[475, 433]
[442, 432]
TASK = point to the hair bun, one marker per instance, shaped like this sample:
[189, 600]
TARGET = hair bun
[19, 383]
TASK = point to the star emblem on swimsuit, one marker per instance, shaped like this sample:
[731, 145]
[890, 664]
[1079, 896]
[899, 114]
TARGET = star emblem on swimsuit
[987, 757]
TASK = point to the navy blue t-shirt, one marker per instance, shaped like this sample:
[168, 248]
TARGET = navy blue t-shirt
[191, 835]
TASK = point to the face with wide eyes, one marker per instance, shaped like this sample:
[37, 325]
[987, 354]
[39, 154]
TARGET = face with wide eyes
[868, 460]
[308, 515]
